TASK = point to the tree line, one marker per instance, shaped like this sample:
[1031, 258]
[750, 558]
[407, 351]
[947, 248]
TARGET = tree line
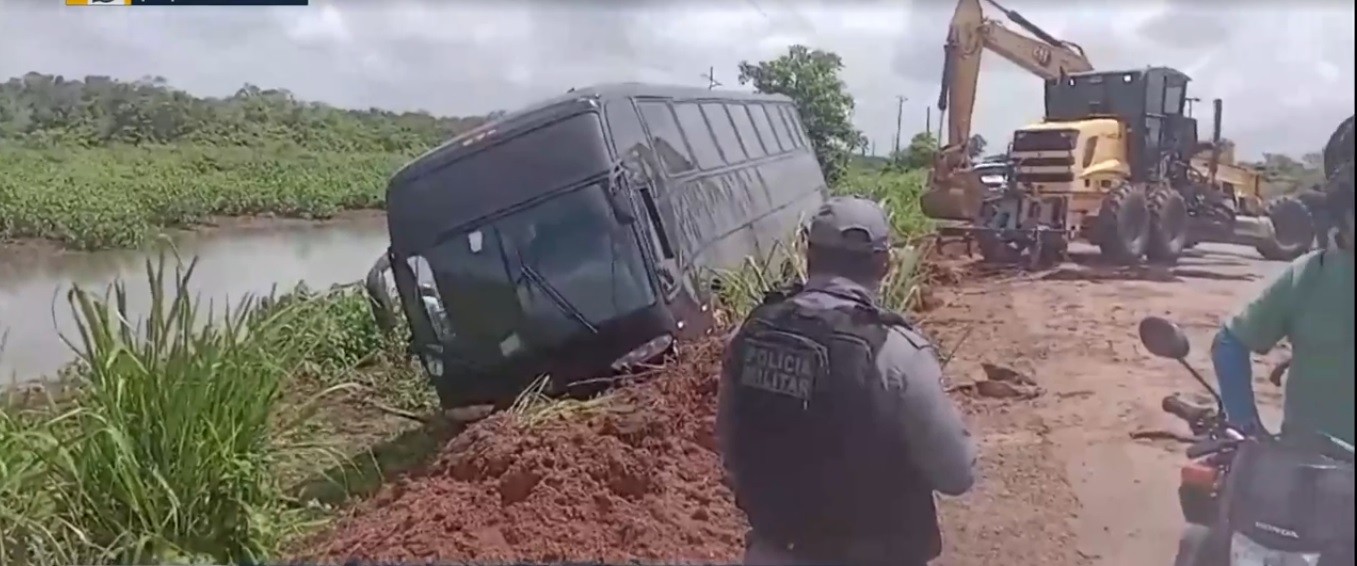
[42, 110]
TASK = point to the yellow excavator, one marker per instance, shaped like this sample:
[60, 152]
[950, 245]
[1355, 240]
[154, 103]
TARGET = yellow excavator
[957, 192]
[1115, 161]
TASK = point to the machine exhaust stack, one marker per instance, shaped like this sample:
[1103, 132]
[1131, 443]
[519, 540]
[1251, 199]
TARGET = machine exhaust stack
[1216, 109]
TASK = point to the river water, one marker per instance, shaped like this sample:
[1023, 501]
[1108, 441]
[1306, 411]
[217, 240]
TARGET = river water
[34, 313]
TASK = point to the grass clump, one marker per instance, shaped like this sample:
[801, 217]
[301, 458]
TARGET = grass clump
[898, 193]
[534, 406]
[169, 451]
[111, 197]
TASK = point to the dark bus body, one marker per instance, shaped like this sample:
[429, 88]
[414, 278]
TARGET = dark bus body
[581, 234]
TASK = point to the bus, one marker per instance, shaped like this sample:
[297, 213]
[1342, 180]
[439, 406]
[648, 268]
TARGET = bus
[580, 235]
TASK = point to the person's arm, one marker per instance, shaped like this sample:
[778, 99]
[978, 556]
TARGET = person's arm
[725, 406]
[937, 440]
[1234, 374]
[1257, 327]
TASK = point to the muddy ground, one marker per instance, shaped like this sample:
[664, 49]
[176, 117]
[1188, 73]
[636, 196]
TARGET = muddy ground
[1061, 482]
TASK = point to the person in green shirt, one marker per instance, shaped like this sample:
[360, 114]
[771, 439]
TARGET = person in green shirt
[1310, 304]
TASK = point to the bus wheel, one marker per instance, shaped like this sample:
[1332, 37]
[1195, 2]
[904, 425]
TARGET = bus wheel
[1168, 225]
[1123, 224]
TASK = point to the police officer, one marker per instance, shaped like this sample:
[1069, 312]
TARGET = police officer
[833, 423]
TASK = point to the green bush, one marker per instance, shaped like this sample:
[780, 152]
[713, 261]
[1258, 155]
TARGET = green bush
[897, 191]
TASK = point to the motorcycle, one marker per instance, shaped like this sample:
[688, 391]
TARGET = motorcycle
[1254, 499]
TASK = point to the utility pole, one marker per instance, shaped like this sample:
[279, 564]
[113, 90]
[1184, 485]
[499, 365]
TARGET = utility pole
[711, 78]
[899, 120]
[941, 117]
[928, 120]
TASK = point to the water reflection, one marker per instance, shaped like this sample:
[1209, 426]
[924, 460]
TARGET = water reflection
[34, 313]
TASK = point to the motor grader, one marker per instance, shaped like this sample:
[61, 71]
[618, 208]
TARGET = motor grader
[1116, 161]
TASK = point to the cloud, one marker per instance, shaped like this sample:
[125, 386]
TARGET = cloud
[1286, 73]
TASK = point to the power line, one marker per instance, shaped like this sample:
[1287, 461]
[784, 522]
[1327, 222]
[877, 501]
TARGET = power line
[757, 8]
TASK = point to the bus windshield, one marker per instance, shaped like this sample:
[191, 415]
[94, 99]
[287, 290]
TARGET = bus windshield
[539, 276]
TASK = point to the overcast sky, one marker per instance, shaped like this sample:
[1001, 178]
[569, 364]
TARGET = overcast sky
[1285, 69]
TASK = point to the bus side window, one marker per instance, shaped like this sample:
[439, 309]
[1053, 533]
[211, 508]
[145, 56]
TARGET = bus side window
[625, 126]
[699, 135]
[745, 127]
[779, 127]
[666, 137]
[765, 128]
[627, 134]
[794, 125]
[726, 138]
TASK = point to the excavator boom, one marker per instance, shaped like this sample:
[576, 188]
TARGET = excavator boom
[955, 192]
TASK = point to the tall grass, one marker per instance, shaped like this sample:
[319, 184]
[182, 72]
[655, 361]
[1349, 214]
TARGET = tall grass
[898, 193]
[169, 452]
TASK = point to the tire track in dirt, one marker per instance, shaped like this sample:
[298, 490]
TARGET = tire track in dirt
[1062, 482]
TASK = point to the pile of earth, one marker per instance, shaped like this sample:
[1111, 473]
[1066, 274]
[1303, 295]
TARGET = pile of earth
[637, 478]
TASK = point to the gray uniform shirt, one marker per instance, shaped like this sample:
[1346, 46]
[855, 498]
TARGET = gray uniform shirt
[939, 444]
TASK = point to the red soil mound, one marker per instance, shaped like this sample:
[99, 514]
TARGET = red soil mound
[640, 480]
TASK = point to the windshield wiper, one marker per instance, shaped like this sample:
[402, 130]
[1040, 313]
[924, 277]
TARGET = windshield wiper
[559, 300]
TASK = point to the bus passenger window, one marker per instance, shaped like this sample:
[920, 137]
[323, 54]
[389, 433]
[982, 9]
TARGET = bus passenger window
[779, 128]
[765, 128]
[666, 138]
[793, 132]
[745, 127]
[698, 134]
[625, 127]
[726, 138]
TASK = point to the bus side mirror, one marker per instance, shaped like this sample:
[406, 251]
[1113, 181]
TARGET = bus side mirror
[615, 186]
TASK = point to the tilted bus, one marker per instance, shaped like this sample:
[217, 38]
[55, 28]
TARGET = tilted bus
[580, 234]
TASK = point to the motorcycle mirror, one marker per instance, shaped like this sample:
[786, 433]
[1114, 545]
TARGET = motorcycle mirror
[1163, 338]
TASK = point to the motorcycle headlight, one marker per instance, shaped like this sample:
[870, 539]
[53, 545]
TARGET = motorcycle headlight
[1245, 552]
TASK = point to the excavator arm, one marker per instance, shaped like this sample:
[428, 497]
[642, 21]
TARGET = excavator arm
[955, 192]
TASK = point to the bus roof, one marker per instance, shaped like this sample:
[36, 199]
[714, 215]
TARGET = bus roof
[558, 106]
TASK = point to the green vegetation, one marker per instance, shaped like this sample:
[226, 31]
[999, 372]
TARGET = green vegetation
[116, 197]
[180, 443]
[100, 163]
[898, 192]
[810, 77]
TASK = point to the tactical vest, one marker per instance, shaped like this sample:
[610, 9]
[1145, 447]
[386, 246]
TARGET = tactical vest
[812, 430]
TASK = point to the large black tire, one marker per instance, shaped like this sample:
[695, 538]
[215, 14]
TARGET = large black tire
[1168, 226]
[1123, 224]
[1338, 151]
[1293, 230]
[1317, 203]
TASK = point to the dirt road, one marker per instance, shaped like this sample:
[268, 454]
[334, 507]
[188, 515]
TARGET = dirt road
[1062, 482]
